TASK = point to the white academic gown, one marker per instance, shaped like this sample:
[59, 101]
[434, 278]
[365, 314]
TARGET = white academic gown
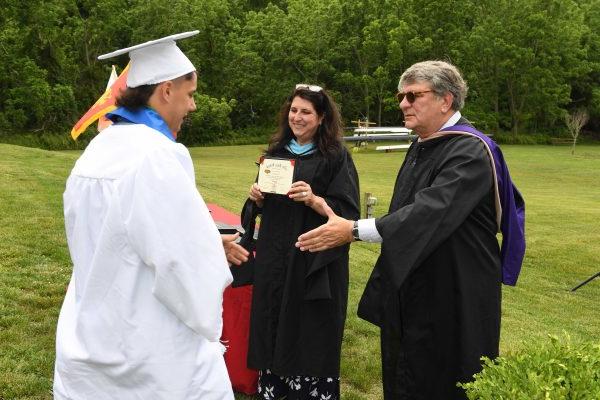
[142, 316]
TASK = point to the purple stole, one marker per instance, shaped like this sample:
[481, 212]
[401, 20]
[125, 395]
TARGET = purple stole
[510, 206]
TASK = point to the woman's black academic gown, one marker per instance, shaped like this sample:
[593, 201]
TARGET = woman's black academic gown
[299, 298]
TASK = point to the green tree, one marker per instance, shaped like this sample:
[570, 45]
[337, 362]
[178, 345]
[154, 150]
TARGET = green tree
[209, 124]
[519, 58]
[585, 90]
[526, 61]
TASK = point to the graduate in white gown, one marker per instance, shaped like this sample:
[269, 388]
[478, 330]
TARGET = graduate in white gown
[142, 316]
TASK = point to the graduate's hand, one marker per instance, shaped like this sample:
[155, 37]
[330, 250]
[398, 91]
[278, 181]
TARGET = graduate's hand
[235, 253]
[336, 232]
[256, 195]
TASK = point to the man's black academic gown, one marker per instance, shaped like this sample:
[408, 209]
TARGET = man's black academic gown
[299, 298]
[435, 289]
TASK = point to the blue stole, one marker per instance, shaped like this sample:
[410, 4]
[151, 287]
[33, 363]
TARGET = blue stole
[512, 218]
[300, 149]
[145, 116]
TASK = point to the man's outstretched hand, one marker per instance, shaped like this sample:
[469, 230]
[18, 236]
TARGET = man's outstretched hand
[336, 232]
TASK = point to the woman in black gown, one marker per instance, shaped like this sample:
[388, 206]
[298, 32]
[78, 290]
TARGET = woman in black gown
[299, 299]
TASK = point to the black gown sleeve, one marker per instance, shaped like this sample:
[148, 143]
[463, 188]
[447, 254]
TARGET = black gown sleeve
[244, 274]
[342, 195]
[463, 177]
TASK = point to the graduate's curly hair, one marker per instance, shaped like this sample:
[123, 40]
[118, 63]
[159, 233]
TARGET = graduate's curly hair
[442, 76]
[138, 97]
[328, 137]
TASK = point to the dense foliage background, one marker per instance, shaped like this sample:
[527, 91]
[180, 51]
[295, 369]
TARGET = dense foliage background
[527, 62]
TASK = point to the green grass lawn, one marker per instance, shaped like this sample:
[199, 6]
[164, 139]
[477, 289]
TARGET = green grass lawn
[562, 193]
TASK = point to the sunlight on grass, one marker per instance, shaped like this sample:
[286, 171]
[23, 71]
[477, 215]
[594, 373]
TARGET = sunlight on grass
[562, 193]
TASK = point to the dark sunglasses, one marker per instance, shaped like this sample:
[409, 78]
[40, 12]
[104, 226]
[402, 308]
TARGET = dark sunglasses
[410, 96]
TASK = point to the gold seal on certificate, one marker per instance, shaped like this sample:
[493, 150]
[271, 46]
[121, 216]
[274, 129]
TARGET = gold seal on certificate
[275, 175]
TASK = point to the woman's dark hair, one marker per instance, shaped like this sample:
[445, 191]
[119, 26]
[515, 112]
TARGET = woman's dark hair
[328, 137]
[137, 97]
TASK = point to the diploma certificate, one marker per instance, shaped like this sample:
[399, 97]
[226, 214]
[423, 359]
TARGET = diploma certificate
[275, 175]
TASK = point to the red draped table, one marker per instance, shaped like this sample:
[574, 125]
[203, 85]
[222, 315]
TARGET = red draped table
[236, 320]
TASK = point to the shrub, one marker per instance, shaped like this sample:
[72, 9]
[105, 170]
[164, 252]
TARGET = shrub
[47, 141]
[210, 122]
[248, 135]
[558, 370]
[533, 138]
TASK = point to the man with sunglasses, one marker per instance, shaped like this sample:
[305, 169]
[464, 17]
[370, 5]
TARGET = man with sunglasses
[435, 290]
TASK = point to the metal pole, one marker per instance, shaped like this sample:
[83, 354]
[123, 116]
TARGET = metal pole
[367, 210]
[591, 278]
[369, 203]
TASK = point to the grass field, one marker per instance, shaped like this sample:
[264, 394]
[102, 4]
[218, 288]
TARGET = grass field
[562, 193]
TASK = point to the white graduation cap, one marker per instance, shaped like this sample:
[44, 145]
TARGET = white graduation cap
[155, 61]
